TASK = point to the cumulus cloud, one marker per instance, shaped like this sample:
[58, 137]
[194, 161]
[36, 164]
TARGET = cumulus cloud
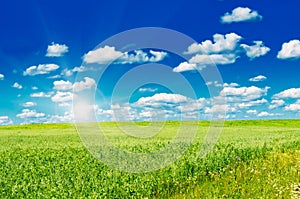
[200, 61]
[62, 85]
[240, 14]
[156, 107]
[213, 83]
[265, 114]
[247, 93]
[290, 50]
[41, 94]
[162, 97]
[185, 66]
[108, 54]
[27, 113]
[142, 90]
[251, 112]
[56, 50]
[29, 104]
[157, 56]
[231, 84]
[224, 49]
[17, 85]
[34, 88]
[293, 107]
[1, 77]
[289, 93]
[62, 96]
[103, 55]
[218, 59]
[66, 117]
[54, 77]
[257, 50]
[252, 103]
[218, 108]
[70, 72]
[221, 43]
[86, 84]
[4, 120]
[276, 103]
[40, 69]
[258, 78]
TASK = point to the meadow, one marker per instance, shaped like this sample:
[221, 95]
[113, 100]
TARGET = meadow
[252, 159]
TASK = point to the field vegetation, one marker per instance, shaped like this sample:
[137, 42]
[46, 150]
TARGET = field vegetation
[252, 159]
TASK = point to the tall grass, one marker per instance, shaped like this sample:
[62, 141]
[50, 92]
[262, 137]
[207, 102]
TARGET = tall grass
[252, 159]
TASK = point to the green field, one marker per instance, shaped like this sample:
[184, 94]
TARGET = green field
[252, 159]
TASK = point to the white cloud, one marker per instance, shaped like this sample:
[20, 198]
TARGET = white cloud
[167, 105]
[231, 84]
[162, 97]
[290, 50]
[64, 104]
[86, 84]
[224, 49]
[41, 94]
[213, 83]
[17, 85]
[26, 113]
[251, 112]
[108, 54]
[247, 93]
[34, 88]
[56, 50]
[193, 105]
[156, 107]
[54, 77]
[258, 78]
[29, 104]
[293, 107]
[40, 69]
[103, 55]
[265, 114]
[240, 14]
[137, 57]
[66, 117]
[3, 117]
[157, 56]
[70, 72]
[4, 120]
[200, 61]
[185, 66]
[289, 93]
[276, 103]
[218, 108]
[62, 85]
[1, 77]
[221, 43]
[218, 59]
[62, 96]
[257, 50]
[142, 90]
[67, 72]
[252, 103]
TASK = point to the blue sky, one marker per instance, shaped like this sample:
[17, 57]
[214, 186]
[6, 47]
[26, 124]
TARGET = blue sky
[47, 55]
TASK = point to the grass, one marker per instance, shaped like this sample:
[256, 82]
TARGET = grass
[252, 159]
